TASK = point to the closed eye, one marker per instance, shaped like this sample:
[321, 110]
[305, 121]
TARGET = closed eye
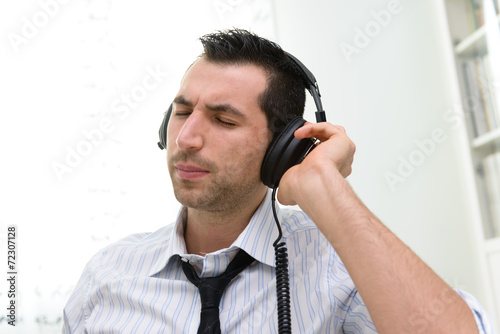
[182, 114]
[224, 123]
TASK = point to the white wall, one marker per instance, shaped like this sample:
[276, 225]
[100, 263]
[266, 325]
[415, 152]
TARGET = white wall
[389, 94]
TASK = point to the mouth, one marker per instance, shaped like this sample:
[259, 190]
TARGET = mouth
[188, 171]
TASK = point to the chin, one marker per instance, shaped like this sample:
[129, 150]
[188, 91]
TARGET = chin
[190, 198]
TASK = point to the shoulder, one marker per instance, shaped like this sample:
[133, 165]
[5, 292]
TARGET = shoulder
[296, 224]
[314, 259]
[306, 243]
[159, 237]
[132, 245]
[303, 236]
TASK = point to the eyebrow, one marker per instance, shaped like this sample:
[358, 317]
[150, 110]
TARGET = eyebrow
[222, 107]
[182, 100]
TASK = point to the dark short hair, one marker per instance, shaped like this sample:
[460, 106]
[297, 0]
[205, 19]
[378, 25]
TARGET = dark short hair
[284, 97]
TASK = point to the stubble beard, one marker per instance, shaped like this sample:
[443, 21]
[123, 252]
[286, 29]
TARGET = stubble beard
[224, 193]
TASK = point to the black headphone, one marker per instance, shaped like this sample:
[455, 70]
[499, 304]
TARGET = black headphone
[285, 151]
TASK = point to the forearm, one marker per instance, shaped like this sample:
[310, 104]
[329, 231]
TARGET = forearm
[402, 293]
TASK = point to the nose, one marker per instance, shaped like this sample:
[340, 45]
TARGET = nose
[190, 136]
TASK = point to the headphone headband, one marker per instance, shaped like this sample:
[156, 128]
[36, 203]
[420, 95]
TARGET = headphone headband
[311, 85]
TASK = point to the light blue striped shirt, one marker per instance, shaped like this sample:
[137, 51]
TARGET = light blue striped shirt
[137, 285]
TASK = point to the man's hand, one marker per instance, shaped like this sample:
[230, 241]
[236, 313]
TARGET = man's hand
[334, 154]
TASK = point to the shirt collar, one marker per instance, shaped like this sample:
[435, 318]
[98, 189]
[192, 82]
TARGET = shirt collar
[256, 239]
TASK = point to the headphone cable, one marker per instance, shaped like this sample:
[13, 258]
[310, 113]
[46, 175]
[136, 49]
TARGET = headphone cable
[282, 279]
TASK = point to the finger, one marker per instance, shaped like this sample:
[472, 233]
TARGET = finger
[322, 131]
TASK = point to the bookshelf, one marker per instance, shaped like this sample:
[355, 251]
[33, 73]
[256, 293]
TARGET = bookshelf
[476, 41]
[475, 33]
[474, 27]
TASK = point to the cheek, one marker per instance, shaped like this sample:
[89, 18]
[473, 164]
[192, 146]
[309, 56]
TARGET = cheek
[257, 142]
[247, 154]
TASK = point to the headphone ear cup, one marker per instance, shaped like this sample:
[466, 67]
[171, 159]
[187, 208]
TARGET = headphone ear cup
[163, 129]
[284, 152]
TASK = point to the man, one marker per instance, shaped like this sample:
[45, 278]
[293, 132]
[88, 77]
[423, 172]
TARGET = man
[348, 272]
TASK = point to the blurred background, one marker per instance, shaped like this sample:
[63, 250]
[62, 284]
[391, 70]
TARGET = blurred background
[84, 85]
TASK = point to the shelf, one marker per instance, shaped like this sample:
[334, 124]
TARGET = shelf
[487, 143]
[473, 44]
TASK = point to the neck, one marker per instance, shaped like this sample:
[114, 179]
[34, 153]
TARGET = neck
[208, 231]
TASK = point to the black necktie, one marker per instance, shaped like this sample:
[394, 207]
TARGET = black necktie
[211, 289]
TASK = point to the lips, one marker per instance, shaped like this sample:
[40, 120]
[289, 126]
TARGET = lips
[188, 171]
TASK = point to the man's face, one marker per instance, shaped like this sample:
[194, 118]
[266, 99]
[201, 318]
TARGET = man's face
[217, 136]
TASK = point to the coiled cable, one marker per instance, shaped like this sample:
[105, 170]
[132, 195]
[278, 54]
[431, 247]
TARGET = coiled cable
[282, 279]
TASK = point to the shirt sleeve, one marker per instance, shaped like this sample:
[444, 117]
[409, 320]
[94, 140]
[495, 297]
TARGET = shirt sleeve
[483, 322]
[74, 312]
[358, 319]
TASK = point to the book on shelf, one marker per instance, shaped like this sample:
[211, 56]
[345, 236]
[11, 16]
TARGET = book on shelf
[482, 100]
[476, 12]
[491, 186]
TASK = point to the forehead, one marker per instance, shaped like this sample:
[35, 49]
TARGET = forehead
[208, 82]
